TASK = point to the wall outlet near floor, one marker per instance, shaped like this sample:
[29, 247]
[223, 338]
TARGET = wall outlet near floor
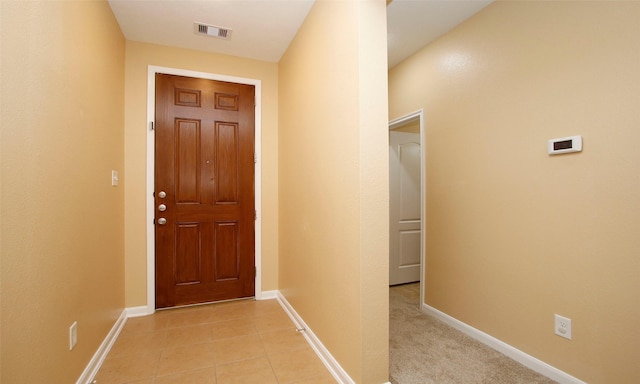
[73, 335]
[562, 326]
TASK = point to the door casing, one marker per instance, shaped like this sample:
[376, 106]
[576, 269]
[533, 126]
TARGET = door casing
[396, 123]
[150, 187]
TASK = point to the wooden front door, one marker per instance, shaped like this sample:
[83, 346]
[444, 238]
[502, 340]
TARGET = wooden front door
[204, 191]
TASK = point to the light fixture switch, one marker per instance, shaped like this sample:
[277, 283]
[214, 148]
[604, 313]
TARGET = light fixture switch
[114, 178]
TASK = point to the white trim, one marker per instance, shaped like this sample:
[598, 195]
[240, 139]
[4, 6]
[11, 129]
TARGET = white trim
[397, 123]
[137, 311]
[151, 85]
[268, 295]
[323, 353]
[95, 363]
[523, 358]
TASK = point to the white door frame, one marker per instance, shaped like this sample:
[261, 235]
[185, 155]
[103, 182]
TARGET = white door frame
[397, 123]
[151, 111]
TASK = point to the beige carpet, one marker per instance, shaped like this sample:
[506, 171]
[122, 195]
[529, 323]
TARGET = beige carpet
[423, 350]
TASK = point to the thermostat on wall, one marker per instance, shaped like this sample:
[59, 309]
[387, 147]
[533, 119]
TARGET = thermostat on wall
[564, 145]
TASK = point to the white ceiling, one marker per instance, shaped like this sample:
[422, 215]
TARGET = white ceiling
[263, 29]
[412, 24]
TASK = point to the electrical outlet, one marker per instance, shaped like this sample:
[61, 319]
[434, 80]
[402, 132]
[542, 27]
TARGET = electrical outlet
[563, 326]
[73, 335]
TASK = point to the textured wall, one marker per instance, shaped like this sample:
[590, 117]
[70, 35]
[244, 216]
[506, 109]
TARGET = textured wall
[62, 221]
[514, 235]
[333, 182]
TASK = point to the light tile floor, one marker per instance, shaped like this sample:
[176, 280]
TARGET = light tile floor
[236, 342]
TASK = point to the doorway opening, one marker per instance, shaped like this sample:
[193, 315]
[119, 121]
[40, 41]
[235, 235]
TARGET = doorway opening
[407, 207]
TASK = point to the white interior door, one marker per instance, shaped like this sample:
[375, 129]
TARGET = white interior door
[404, 207]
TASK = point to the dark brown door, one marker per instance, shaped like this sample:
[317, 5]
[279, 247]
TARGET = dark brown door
[204, 177]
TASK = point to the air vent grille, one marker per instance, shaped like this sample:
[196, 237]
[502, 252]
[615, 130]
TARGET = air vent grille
[212, 31]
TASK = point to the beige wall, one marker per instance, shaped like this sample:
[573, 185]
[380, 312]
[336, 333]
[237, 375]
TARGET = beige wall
[62, 221]
[514, 235]
[333, 182]
[138, 57]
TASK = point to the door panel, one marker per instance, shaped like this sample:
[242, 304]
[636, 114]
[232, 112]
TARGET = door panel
[227, 162]
[205, 165]
[409, 177]
[404, 207]
[188, 253]
[409, 248]
[226, 256]
[187, 161]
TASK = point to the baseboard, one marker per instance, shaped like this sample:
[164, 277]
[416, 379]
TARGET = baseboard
[525, 359]
[96, 361]
[323, 353]
[267, 295]
[138, 311]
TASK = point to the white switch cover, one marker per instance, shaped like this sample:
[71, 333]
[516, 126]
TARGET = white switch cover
[114, 178]
[73, 335]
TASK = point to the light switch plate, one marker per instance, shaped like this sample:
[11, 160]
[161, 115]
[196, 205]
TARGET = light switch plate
[114, 178]
[73, 335]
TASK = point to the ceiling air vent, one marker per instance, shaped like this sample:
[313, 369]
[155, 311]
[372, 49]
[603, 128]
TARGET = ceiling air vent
[212, 31]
